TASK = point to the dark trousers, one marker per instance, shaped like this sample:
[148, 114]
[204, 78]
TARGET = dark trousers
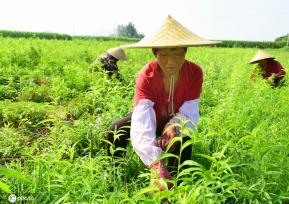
[278, 82]
[122, 127]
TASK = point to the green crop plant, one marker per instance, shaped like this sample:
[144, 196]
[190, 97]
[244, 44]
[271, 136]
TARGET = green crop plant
[55, 111]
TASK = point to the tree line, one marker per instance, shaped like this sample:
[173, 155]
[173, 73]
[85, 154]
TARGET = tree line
[129, 33]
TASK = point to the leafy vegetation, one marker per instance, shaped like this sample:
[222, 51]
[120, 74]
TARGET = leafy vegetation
[252, 44]
[106, 38]
[128, 33]
[54, 112]
[40, 35]
[282, 38]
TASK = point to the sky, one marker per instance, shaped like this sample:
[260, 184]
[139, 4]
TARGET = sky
[251, 20]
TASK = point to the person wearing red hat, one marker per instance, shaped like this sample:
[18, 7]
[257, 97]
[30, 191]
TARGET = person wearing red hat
[269, 68]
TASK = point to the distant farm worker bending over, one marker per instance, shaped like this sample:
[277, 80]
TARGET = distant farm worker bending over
[269, 68]
[167, 92]
[108, 61]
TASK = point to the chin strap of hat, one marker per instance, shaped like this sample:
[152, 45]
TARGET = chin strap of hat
[171, 94]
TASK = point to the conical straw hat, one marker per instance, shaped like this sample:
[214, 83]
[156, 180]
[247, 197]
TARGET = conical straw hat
[260, 56]
[171, 34]
[118, 53]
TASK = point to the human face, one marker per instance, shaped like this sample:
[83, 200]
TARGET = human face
[170, 59]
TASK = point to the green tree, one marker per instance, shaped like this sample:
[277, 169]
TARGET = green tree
[282, 38]
[128, 30]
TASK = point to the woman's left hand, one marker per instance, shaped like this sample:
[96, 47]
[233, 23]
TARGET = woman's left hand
[169, 132]
[272, 77]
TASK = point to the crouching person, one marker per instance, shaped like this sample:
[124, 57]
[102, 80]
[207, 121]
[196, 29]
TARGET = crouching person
[269, 68]
[167, 91]
[108, 62]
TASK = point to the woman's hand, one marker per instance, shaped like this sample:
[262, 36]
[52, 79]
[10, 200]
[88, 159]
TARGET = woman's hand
[271, 78]
[162, 176]
[169, 132]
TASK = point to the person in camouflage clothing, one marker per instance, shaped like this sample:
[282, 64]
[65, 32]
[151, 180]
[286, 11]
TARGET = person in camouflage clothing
[108, 62]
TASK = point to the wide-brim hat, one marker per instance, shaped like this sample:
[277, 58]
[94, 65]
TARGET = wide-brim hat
[261, 55]
[118, 53]
[171, 34]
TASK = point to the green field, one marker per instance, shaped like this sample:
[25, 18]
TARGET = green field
[54, 112]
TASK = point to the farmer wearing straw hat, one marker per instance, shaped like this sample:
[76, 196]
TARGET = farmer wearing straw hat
[167, 93]
[270, 69]
[109, 61]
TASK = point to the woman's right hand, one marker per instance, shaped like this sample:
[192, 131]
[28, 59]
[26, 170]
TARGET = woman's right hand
[162, 176]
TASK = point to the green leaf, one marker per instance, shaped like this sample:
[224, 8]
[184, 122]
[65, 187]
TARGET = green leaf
[61, 199]
[167, 155]
[207, 157]
[149, 190]
[189, 171]
[120, 149]
[174, 140]
[4, 187]
[187, 143]
[191, 163]
[13, 173]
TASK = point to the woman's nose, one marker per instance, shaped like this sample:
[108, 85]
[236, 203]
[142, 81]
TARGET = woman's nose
[171, 60]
